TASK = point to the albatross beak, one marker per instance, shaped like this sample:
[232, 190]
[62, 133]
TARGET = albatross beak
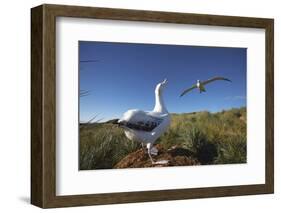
[165, 81]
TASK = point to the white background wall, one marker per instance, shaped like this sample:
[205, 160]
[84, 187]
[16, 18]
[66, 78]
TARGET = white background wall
[15, 104]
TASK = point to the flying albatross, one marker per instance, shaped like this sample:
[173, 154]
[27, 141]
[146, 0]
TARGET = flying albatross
[201, 85]
[147, 126]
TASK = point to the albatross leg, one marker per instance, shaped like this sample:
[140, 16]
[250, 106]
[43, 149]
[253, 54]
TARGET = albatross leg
[149, 151]
[148, 146]
[152, 161]
[154, 151]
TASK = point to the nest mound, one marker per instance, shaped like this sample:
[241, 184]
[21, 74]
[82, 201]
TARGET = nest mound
[176, 156]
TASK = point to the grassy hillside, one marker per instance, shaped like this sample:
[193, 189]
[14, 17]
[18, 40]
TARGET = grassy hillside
[213, 138]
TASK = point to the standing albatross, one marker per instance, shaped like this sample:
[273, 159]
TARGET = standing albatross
[201, 85]
[147, 126]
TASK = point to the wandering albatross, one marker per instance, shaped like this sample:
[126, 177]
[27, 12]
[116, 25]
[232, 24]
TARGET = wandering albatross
[147, 126]
[201, 85]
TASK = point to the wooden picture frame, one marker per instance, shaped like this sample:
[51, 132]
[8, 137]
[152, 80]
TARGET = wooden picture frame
[43, 105]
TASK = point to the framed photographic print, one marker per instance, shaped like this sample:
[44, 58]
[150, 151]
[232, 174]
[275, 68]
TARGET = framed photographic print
[136, 106]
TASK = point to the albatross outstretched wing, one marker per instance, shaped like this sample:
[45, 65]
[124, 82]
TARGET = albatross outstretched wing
[215, 79]
[188, 90]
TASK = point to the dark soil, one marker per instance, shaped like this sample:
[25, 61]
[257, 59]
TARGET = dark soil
[176, 156]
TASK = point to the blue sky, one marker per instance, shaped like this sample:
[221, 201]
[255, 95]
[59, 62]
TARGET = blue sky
[125, 75]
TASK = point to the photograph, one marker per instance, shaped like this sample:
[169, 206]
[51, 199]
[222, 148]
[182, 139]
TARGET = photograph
[147, 105]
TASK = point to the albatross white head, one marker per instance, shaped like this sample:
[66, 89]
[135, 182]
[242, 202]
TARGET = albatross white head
[159, 103]
[161, 86]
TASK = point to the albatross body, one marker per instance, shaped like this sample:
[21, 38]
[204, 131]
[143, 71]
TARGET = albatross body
[147, 126]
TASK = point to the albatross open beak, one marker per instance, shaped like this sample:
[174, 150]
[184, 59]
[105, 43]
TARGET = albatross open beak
[165, 81]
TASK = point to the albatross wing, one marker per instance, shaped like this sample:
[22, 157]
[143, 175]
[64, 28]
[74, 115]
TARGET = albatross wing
[140, 120]
[188, 90]
[215, 79]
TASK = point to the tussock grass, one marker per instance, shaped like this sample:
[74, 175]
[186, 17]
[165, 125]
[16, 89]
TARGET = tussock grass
[102, 146]
[213, 138]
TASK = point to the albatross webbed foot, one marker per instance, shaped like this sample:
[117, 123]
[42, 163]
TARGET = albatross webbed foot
[161, 162]
[153, 151]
